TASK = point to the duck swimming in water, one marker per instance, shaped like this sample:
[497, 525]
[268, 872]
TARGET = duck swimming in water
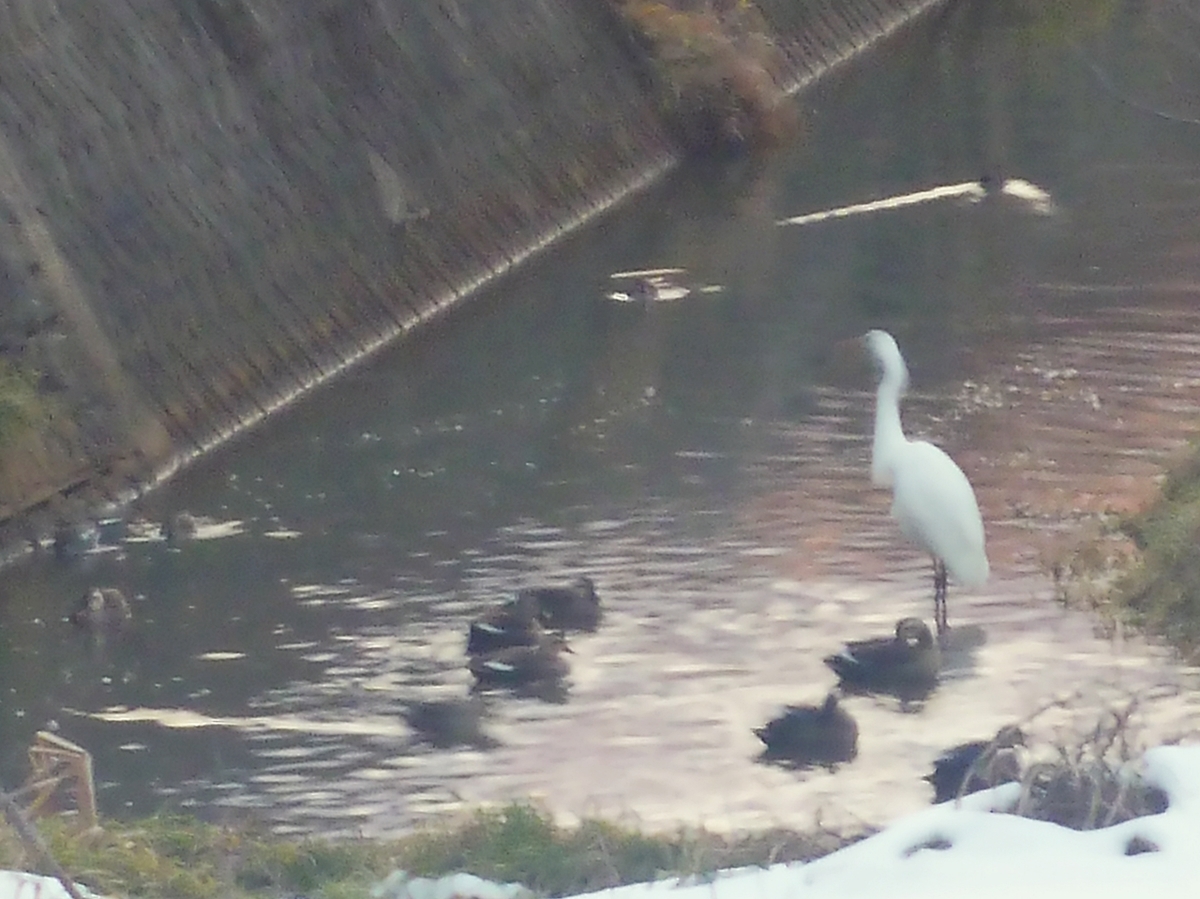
[572, 607]
[513, 624]
[906, 664]
[806, 734]
[977, 765]
[180, 526]
[522, 665]
[102, 607]
[446, 723]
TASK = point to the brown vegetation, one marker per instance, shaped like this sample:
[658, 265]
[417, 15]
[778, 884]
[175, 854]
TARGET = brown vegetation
[1090, 784]
[717, 71]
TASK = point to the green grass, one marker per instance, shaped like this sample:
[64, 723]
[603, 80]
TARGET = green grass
[172, 856]
[20, 405]
[1160, 592]
[1142, 571]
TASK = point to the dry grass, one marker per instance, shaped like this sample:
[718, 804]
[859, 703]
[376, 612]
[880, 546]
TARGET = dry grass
[718, 72]
[1091, 779]
[1091, 782]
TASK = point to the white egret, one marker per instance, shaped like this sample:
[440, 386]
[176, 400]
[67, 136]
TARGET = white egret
[932, 500]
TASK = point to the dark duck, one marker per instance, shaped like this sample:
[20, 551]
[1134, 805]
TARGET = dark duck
[807, 734]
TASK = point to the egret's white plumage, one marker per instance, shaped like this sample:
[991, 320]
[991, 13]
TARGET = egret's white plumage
[932, 500]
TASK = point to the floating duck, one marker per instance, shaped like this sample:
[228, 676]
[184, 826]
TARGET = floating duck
[73, 539]
[513, 624]
[444, 723]
[643, 290]
[808, 734]
[112, 530]
[102, 607]
[906, 665]
[651, 285]
[978, 765]
[521, 665]
[573, 607]
[180, 526]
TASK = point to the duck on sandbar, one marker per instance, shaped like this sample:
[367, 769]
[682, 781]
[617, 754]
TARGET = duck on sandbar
[907, 663]
[102, 607]
[977, 765]
[513, 624]
[572, 607]
[808, 734]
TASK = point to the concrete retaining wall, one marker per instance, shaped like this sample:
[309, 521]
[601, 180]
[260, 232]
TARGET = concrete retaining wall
[209, 206]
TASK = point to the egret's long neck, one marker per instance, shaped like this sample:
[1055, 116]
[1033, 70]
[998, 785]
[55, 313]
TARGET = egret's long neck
[889, 435]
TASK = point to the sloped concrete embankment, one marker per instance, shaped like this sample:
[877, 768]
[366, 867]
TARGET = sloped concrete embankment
[209, 206]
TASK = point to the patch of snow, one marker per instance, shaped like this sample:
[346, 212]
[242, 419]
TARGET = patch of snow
[971, 849]
[399, 885]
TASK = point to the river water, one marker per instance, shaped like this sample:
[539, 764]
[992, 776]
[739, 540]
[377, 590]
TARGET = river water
[704, 460]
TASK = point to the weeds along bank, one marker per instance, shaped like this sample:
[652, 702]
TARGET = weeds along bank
[182, 857]
[1090, 786]
[210, 207]
[1142, 571]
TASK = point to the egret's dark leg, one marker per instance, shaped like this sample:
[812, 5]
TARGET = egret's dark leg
[939, 597]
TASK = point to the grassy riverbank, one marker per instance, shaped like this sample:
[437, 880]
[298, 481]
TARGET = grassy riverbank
[180, 857]
[20, 405]
[1079, 786]
[1142, 571]
[1161, 591]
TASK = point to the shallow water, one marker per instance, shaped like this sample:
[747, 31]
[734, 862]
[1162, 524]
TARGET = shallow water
[705, 460]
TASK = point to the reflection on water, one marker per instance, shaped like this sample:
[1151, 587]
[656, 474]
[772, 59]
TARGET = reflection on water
[705, 461]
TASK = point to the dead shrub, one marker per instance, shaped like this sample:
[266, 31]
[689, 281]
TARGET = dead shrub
[718, 72]
[1091, 783]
